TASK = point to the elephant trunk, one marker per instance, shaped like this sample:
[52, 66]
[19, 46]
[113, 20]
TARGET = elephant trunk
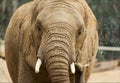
[58, 67]
[58, 53]
[57, 60]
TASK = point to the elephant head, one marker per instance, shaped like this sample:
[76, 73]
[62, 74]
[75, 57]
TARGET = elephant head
[59, 30]
[59, 34]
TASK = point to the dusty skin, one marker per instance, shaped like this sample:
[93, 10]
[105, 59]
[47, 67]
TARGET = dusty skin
[58, 32]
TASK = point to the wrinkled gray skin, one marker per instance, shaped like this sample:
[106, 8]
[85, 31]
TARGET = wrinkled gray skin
[58, 32]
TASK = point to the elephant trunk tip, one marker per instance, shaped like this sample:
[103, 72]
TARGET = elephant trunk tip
[38, 65]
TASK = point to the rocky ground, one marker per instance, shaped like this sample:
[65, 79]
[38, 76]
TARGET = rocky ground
[105, 72]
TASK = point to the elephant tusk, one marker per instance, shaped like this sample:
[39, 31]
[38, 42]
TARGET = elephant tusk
[86, 65]
[81, 66]
[37, 66]
[72, 67]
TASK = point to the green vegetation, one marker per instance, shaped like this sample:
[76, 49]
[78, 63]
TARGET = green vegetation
[7, 8]
[0, 43]
[107, 13]
[108, 16]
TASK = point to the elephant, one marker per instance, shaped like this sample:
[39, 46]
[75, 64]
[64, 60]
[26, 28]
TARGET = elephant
[51, 41]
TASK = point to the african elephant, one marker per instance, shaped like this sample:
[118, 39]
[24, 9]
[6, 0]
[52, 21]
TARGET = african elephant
[51, 41]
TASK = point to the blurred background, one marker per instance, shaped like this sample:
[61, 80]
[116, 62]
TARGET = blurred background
[107, 13]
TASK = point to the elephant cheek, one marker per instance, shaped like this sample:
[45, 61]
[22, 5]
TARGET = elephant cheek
[31, 58]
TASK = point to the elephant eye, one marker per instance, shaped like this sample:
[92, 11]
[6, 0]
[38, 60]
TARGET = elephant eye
[39, 26]
[79, 31]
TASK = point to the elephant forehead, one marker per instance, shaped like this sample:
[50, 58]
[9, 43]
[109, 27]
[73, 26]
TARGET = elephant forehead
[59, 16]
[61, 11]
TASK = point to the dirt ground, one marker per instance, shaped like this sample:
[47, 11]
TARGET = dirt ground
[111, 76]
[107, 76]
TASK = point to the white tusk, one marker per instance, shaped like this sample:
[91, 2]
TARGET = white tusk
[86, 65]
[72, 67]
[37, 66]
